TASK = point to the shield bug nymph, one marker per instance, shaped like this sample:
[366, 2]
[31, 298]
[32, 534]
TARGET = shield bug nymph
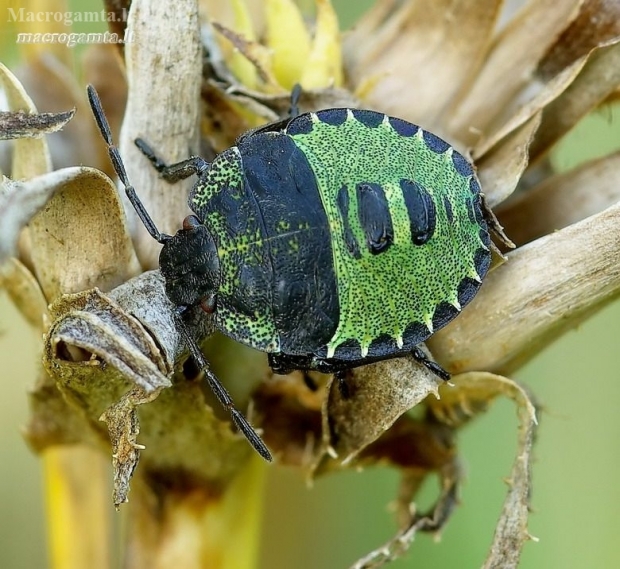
[329, 240]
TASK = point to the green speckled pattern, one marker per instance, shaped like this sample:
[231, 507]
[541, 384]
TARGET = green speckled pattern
[219, 201]
[382, 294]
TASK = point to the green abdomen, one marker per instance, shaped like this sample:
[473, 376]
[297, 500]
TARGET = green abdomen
[408, 240]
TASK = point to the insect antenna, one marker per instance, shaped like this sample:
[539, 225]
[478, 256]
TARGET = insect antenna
[214, 383]
[119, 167]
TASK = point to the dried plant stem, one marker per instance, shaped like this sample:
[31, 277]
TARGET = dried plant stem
[197, 527]
[77, 481]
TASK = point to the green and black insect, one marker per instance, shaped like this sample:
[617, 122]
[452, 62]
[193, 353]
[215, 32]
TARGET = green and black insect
[328, 240]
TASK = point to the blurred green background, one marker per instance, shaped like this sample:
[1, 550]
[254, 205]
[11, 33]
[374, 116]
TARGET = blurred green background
[576, 495]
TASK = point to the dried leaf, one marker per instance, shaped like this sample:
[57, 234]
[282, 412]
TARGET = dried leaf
[598, 80]
[436, 46]
[586, 79]
[528, 110]
[509, 64]
[597, 24]
[89, 328]
[30, 155]
[23, 125]
[80, 239]
[377, 395]
[24, 291]
[468, 396]
[474, 391]
[162, 108]
[562, 200]
[539, 293]
[109, 355]
[501, 169]
[21, 201]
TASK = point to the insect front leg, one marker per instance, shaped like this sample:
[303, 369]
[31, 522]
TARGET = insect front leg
[173, 172]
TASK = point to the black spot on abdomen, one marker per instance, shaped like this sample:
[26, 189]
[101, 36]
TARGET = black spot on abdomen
[421, 211]
[374, 216]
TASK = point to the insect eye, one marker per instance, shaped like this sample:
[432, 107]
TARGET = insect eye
[209, 303]
[191, 222]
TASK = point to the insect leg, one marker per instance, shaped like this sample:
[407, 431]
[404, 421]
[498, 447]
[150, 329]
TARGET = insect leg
[293, 110]
[220, 392]
[420, 357]
[173, 172]
[494, 224]
[340, 377]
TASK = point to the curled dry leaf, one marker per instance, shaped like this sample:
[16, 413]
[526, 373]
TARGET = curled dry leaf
[69, 232]
[19, 202]
[110, 355]
[510, 62]
[90, 328]
[535, 296]
[378, 395]
[470, 394]
[474, 392]
[597, 81]
[501, 169]
[597, 24]
[320, 430]
[528, 110]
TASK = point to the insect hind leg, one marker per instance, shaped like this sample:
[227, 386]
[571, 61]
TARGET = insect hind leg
[419, 356]
[293, 110]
